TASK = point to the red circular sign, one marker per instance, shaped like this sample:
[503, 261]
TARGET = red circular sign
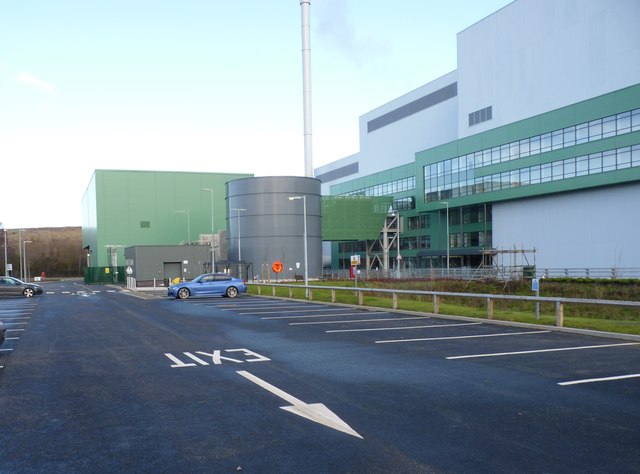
[277, 266]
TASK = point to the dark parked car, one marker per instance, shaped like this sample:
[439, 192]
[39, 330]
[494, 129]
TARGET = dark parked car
[3, 331]
[209, 284]
[10, 286]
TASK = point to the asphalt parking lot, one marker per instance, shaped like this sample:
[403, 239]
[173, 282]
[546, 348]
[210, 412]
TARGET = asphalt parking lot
[93, 378]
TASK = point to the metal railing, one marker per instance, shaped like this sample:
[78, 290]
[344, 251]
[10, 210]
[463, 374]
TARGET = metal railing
[490, 299]
[486, 273]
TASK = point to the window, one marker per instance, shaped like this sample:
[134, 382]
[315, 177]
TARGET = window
[145, 224]
[454, 177]
[635, 120]
[624, 158]
[545, 142]
[419, 222]
[623, 122]
[608, 161]
[570, 168]
[582, 165]
[557, 139]
[582, 133]
[595, 163]
[557, 170]
[595, 130]
[608, 126]
[569, 136]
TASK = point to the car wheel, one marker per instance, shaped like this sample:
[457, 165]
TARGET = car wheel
[28, 292]
[232, 292]
[183, 293]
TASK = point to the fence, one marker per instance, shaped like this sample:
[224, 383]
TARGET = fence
[104, 275]
[486, 273]
[559, 302]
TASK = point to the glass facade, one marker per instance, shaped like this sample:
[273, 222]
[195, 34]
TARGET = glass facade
[385, 189]
[456, 177]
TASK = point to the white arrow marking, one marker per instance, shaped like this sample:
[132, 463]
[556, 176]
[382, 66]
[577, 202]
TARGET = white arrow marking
[312, 411]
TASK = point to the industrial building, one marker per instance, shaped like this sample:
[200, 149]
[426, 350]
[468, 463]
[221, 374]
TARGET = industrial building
[531, 145]
[157, 208]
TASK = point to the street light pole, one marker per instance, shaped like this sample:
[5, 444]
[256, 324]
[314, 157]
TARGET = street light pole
[447, 236]
[24, 253]
[5, 249]
[213, 258]
[20, 252]
[304, 214]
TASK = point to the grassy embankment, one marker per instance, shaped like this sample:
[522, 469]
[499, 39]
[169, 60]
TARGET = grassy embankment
[597, 317]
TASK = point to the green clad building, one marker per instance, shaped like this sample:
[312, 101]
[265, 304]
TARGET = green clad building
[132, 208]
[531, 146]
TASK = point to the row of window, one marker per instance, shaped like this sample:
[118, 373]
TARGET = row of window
[421, 242]
[598, 129]
[415, 243]
[593, 163]
[404, 204]
[386, 189]
[470, 215]
[470, 239]
[423, 221]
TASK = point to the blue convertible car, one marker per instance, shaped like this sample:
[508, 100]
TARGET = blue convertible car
[209, 284]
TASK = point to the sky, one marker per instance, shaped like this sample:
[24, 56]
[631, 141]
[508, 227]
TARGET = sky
[198, 85]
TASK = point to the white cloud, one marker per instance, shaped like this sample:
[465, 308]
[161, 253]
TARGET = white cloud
[31, 80]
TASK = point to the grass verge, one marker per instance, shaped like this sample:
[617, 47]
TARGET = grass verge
[594, 317]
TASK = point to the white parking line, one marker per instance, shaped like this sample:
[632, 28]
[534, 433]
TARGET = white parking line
[404, 327]
[243, 306]
[601, 379]
[350, 321]
[292, 311]
[538, 351]
[316, 315]
[462, 337]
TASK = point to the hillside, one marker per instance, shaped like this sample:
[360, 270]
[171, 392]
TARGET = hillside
[55, 251]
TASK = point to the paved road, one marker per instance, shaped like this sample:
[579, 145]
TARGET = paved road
[96, 380]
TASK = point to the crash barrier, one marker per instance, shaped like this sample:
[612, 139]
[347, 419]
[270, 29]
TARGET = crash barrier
[394, 294]
[503, 273]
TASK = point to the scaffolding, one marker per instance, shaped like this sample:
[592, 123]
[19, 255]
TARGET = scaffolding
[389, 237]
[507, 264]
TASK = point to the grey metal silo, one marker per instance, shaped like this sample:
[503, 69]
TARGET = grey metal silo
[264, 225]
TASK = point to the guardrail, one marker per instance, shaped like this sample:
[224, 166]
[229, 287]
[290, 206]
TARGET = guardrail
[497, 273]
[559, 302]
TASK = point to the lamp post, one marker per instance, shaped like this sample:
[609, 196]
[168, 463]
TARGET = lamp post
[5, 249]
[446, 203]
[24, 253]
[213, 259]
[188, 223]
[20, 252]
[306, 267]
